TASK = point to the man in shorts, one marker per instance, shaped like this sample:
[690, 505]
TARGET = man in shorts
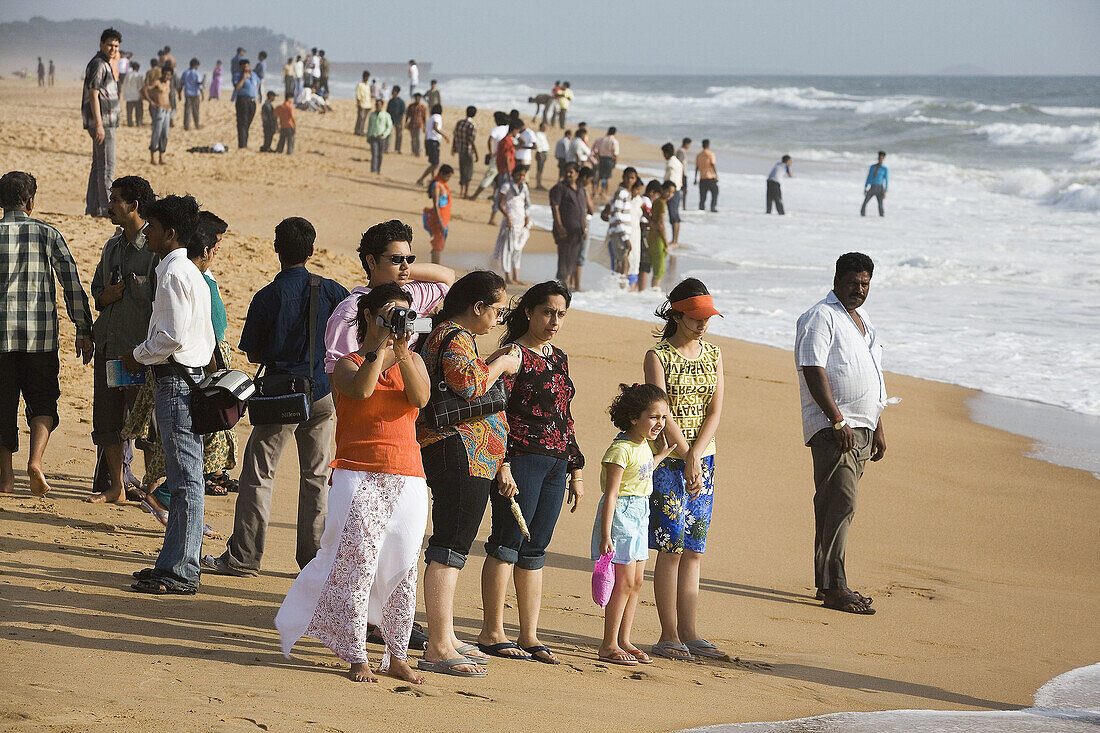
[607, 148]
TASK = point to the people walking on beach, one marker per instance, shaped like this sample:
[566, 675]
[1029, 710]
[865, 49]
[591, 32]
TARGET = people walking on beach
[41, 73]
[437, 217]
[514, 203]
[325, 67]
[130, 91]
[51, 72]
[180, 343]
[433, 140]
[32, 254]
[284, 116]
[379, 129]
[569, 205]
[276, 335]
[681, 185]
[299, 74]
[158, 94]
[657, 236]
[416, 116]
[607, 154]
[689, 369]
[414, 79]
[289, 87]
[260, 70]
[492, 174]
[706, 175]
[396, 109]
[99, 110]
[674, 174]
[122, 291]
[525, 144]
[843, 393]
[385, 252]
[545, 467]
[378, 503]
[640, 413]
[580, 152]
[245, 91]
[585, 180]
[637, 239]
[464, 146]
[461, 459]
[562, 151]
[270, 124]
[216, 81]
[542, 151]
[564, 99]
[876, 184]
[619, 222]
[775, 192]
[363, 104]
[191, 86]
[432, 97]
[235, 62]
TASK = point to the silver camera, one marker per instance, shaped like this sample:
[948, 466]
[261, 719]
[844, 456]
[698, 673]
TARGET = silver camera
[402, 320]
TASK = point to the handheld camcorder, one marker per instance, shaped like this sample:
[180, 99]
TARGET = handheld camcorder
[402, 320]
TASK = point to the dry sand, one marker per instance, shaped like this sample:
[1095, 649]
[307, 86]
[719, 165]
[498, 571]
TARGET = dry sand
[983, 562]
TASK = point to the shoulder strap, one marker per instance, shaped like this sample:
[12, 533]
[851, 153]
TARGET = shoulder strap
[314, 296]
[443, 344]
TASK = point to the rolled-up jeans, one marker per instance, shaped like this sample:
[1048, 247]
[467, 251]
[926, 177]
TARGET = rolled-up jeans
[158, 136]
[178, 562]
[542, 485]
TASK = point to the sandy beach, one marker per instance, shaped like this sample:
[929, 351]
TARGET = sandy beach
[979, 558]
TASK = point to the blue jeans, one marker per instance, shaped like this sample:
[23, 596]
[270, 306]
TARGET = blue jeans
[542, 483]
[178, 562]
[158, 139]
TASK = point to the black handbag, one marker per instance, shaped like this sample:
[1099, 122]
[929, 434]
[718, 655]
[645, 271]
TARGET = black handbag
[218, 402]
[446, 408]
[283, 398]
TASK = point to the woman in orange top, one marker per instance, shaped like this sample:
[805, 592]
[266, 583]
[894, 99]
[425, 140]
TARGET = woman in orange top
[377, 506]
[437, 217]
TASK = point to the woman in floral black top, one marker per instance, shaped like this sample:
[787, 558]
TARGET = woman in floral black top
[545, 464]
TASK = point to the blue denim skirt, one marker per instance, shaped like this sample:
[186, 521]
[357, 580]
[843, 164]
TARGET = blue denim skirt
[629, 530]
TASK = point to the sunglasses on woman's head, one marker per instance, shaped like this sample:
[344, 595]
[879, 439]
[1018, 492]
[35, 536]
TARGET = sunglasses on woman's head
[398, 259]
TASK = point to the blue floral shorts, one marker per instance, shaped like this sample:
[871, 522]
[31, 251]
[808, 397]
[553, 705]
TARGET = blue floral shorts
[678, 520]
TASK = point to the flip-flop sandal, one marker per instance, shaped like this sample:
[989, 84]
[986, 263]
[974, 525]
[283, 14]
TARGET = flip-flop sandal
[158, 588]
[641, 656]
[497, 650]
[666, 650]
[703, 648]
[465, 648]
[846, 602]
[143, 574]
[866, 600]
[534, 651]
[623, 659]
[449, 666]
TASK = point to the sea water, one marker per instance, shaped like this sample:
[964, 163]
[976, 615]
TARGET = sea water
[987, 262]
[1069, 703]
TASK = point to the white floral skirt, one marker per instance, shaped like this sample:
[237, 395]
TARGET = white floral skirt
[365, 569]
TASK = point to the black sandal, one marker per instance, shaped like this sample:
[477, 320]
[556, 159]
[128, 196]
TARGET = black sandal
[214, 486]
[848, 602]
[156, 587]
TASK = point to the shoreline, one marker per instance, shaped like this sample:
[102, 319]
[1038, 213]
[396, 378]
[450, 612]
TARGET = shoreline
[982, 596]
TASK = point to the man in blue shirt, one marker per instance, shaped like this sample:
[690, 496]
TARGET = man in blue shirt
[246, 87]
[875, 185]
[275, 334]
[260, 71]
[191, 86]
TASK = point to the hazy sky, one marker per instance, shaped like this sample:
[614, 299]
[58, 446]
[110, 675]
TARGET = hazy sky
[706, 36]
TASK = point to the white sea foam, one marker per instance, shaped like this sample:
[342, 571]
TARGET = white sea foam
[1067, 704]
[1034, 133]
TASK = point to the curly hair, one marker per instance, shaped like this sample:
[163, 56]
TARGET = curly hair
[632, 401]
[377, 238]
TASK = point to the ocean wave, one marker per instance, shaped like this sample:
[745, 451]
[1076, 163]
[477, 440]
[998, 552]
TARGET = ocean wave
[1074, 191]
[1034, 133]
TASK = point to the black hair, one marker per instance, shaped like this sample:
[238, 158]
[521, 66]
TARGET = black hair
[471, 111]
[854, 262]
[135, 66]
[786, 159]
[479, 286]
[108, 34]
[520, 168]
[687, 288]
[668, 148]
[584, 172]
[445, 169]
[177, 213]
[706, 143]
[630, 169]
[653, 186]
[611, 131]
[632, 401]
[515, 124]
[135, 189]
[396, 89]
[437, 109]
[16, 190]
[882, 153]
[686, 141]
[638, 183]
[366, 75]
[569, 167]
[154, 62]
[667, 185]
[517, 321]
[377, 238]
[193, 63]
[417, 94]
[567, 133]
[263, 55]
[501, 118]
[167, 48]
[212, 221]
[270, 94]
[204, 238]
[242, 62]
[294, 237]
[372, 301]
[513, 114]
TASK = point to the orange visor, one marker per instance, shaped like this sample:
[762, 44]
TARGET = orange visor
[697, 307]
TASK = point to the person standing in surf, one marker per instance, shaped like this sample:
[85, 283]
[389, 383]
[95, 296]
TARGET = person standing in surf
[875, 185]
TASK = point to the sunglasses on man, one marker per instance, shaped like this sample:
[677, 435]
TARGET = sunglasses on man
[398, 259]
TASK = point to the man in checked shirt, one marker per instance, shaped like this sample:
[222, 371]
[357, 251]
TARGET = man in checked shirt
[31, 254]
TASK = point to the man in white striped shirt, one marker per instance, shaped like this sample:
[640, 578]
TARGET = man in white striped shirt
[618, 229]
[839, 361]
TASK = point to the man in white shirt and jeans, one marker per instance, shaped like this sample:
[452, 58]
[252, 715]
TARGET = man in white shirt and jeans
[843, 394]
[179, 344]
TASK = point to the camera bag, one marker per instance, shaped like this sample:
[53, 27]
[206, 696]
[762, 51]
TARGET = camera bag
[283, 398]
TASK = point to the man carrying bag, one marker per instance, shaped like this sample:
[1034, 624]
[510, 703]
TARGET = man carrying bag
[283, 332]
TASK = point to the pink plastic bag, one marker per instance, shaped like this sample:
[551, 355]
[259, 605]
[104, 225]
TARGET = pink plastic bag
[603, 580]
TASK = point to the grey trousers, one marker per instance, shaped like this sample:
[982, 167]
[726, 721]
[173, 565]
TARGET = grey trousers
[836, 479]
[395, 138]
[361, 115]
[102, 174]
[873, 192]
[377, 146]
[245, 547]
[191, 112]
[414, 141]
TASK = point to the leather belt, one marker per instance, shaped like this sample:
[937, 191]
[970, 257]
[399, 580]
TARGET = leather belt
[176, 370]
